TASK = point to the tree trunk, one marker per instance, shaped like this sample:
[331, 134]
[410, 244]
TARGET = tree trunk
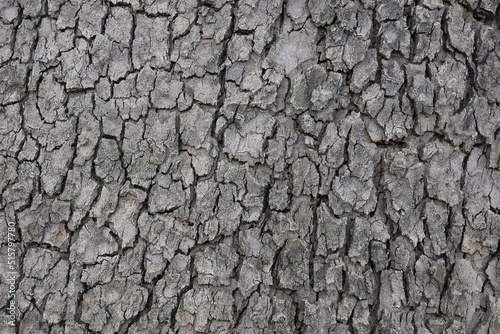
[250, 166]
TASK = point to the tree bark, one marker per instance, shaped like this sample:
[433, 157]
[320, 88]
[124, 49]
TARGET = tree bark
[250, 166]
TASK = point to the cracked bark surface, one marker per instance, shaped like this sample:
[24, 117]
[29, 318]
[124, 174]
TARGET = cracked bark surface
[241, 166]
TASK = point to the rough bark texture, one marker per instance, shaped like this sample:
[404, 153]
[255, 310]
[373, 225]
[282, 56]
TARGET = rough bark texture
[251, 166]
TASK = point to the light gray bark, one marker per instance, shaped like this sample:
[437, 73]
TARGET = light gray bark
[251, 166]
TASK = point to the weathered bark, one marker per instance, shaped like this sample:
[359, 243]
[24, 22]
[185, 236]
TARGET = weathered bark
[250, 166]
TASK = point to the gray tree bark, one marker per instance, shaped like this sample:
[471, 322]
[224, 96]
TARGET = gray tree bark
[250, 166]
